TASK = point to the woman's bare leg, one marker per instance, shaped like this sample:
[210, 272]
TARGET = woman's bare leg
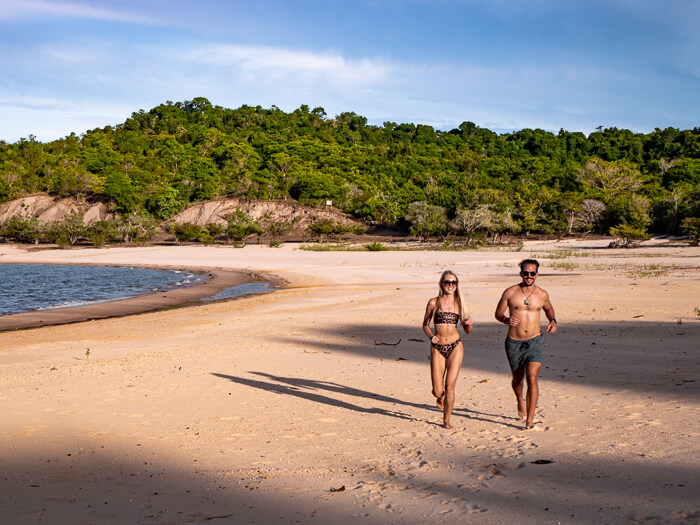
[437, 373]
[454, 363]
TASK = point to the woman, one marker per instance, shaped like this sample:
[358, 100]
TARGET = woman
[446, 311]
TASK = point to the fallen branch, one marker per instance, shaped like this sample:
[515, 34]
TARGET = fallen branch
[377, 343]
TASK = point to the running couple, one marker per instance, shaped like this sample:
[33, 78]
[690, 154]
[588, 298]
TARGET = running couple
[524, 342]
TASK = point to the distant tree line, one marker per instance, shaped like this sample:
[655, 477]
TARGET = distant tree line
[468, 181]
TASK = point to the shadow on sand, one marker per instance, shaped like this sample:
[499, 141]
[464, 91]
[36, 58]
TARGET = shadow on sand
[659, 358]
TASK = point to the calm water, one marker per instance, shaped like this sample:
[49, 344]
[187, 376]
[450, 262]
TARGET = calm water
[29, 287]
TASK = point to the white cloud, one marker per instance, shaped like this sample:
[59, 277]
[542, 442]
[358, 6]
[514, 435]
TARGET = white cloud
[55, 8]
[73, 54]
[259, 64]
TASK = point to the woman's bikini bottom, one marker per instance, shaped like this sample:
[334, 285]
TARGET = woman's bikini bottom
[446, 350]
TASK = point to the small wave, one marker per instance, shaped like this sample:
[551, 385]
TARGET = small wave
[73, 304]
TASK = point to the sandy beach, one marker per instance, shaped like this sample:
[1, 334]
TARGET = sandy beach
[312, 404]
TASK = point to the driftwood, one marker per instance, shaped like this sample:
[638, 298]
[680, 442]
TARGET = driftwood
[377, 343]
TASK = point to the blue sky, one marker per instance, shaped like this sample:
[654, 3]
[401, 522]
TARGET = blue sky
[71, 66]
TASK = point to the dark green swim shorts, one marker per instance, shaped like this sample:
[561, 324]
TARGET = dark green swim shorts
[522, 352]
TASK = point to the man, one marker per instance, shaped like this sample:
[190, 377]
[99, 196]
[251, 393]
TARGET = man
[525, 342]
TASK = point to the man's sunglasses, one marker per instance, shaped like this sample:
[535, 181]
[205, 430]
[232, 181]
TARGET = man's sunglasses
[528, 274]
[449, 283]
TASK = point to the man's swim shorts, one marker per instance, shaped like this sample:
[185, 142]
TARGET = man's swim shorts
[521, 352]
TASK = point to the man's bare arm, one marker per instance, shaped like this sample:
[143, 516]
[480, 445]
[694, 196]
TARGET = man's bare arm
[501, 310]
[551, 317]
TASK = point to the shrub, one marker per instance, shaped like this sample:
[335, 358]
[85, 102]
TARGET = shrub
[136, 227]
[99, 232]
[186, 231]
[241, 225]
[331, 227]
[66, 231]
[627, 235]
[691, 227]
[376, 247]
[215, 229]
[22, 230]
[276, 229]
[426, 220]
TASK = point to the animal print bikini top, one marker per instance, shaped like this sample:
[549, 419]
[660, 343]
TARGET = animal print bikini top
[446, 318]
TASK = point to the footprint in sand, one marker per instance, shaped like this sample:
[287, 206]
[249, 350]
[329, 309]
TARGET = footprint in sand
[470, 487]
[452, 501]
[475, 509]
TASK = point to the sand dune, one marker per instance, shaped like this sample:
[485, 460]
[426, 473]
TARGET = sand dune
[287, 407]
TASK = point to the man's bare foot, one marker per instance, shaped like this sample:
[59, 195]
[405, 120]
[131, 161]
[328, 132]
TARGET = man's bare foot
[522, 411]
[529, 425]
[447, 425]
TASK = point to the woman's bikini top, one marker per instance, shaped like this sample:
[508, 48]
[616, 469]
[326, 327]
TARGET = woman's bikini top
[446, 318]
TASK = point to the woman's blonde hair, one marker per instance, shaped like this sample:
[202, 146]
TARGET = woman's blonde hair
[459, 298]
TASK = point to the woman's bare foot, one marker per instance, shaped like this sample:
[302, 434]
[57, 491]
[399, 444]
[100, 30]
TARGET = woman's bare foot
[522, 411]
[440, 402]
[447, 425]
[529, 425]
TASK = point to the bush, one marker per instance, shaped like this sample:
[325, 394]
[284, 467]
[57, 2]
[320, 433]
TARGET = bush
[426, 220]
[22, 230]
[136, 227]
[331, 227]
[324, 227]
[627, 236]
[186, 231]
[691, 227]
[99, 232]
[66, 231]
[241, 225]
[376, 247]
[276, 229]
[215, 229]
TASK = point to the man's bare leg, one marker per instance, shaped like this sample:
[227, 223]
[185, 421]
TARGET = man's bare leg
[437, 373]
[532, 371]
[454, 363]
[517, 384]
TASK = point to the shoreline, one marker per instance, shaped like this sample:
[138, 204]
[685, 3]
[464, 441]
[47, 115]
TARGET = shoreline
[218, 280]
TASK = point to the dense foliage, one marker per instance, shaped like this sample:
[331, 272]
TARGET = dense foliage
[466, 180]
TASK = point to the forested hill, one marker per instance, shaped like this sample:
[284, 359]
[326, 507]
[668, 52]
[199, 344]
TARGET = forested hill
[468, 179]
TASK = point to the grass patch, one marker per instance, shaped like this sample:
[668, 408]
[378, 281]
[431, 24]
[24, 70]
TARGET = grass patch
[330, 248]
[649, 270]
[371, 247]
[567, 266]
[561, 254]
[449, 246]
[376, 247]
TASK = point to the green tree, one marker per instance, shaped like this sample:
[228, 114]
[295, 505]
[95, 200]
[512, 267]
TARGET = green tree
[136, 227]
[426, 220]
[469, 221]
